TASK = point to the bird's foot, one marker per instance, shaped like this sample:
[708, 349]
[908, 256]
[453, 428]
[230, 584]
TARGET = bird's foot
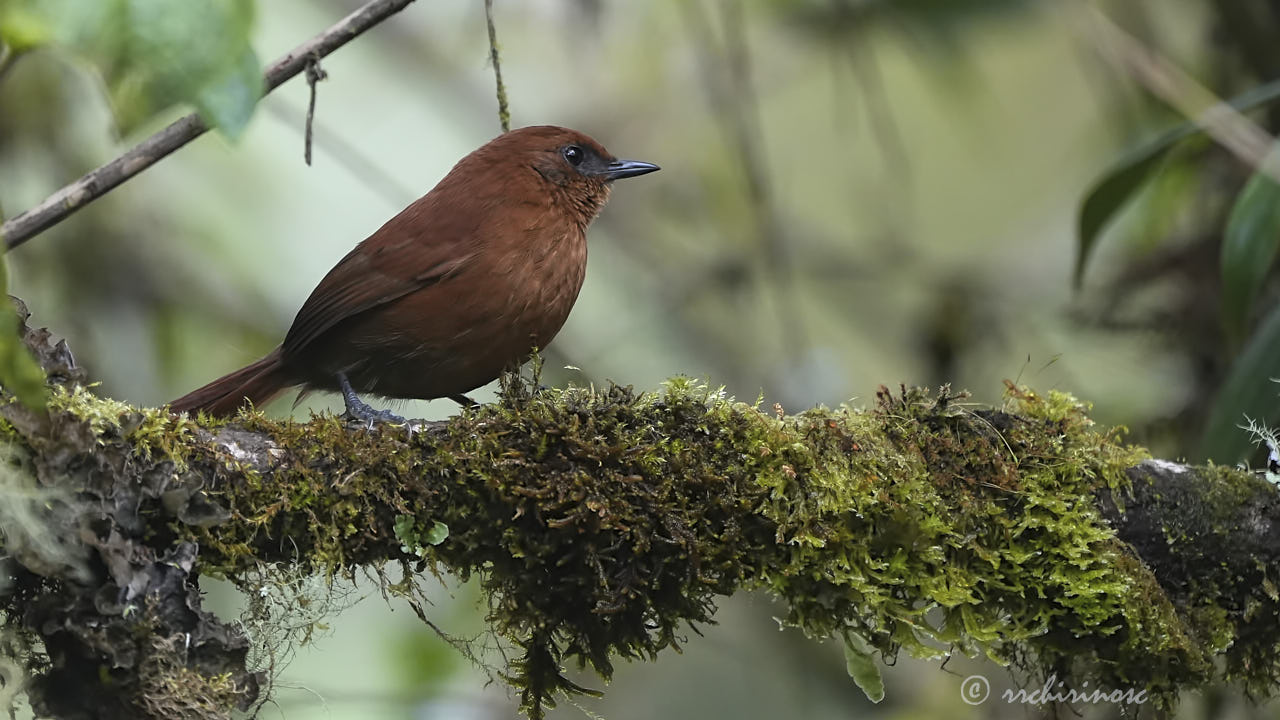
[360, 411]
[369, 417]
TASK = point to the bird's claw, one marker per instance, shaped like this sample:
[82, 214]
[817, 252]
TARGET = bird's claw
[369, 417]
[360, 411]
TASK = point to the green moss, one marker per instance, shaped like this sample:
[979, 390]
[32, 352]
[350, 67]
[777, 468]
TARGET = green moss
[150, 431]
[941, 529]
[605, 523]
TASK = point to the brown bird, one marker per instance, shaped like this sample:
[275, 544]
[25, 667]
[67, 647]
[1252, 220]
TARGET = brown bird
[460, 286]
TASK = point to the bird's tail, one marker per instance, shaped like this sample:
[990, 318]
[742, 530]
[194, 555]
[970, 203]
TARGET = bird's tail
[257, 383]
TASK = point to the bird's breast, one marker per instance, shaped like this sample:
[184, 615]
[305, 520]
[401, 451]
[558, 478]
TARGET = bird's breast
[543, 277]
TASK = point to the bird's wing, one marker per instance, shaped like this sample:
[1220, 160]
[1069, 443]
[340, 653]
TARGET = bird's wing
[393, 262]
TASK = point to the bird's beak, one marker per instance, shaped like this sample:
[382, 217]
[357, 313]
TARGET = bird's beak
[619, 169]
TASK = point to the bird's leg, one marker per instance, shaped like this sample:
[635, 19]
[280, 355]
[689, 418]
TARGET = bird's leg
[360, 410]
[464, 401]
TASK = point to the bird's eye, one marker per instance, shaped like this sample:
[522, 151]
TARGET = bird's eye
[574, 155]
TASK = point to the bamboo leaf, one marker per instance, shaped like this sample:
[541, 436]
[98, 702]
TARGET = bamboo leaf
[1117, 186]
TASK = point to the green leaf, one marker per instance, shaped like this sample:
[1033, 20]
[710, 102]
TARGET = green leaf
[20, 375]
[199, 53]
[1114, 191]
[860, 662]
[1249, 247]
[1248, 391]
[153, 54]
[1117, 186]
[228, 102]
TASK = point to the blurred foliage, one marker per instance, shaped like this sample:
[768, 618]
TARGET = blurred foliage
[939, 19]
[1237, 220]
[1122, 181]
[151, 53]
[1249, 244]
[120, 257]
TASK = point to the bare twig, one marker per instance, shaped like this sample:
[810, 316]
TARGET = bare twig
[97, 183]
[315, 74]
[504, 115]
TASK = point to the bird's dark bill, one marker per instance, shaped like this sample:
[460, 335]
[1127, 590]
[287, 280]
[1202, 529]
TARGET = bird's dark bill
[619, 169]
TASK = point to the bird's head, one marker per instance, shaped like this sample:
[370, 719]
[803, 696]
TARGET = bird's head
[576, 169]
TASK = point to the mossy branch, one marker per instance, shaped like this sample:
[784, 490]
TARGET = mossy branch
[604, 523]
